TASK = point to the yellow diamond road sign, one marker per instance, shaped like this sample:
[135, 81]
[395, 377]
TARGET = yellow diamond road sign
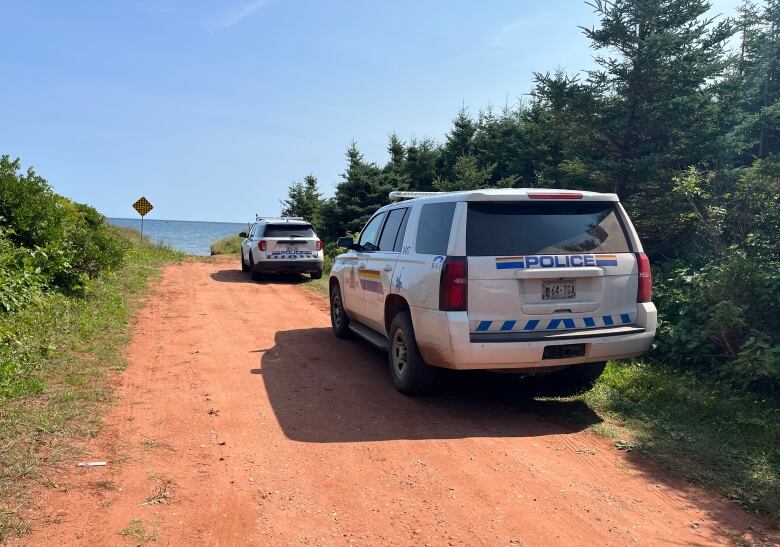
[143, 206]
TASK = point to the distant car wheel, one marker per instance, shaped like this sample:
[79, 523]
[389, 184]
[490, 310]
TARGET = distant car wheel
[568, 382]
[244, 267]
[411, 375]
[316, 275]
[253, 273]
[338, 317]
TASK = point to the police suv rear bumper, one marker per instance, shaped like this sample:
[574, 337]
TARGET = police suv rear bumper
[445, 341]
[280, 266]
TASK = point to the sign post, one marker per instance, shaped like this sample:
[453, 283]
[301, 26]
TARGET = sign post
[143, 206]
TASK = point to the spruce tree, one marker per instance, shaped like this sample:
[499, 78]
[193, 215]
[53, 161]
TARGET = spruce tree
[304, 200]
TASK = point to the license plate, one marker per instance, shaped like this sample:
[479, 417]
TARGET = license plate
[559, 290]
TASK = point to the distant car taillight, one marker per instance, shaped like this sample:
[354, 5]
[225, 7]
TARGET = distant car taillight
[454, 284]
[644, 291]
[262, 245]
[319, 244]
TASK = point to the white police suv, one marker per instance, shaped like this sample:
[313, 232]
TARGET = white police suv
[280, 245]
[515, 280]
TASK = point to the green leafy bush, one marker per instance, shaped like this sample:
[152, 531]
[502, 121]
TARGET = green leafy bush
[21, 282]
[721, 316]
[59, 243]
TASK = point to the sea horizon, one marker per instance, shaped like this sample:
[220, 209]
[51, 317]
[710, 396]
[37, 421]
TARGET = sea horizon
[189, 236]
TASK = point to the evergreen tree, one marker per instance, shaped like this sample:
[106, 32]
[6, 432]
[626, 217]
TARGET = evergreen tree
[468, 176]
[648, 112]
[361, 192]
[304, 200]
[421, 159]
[757, 83]
[459, 143]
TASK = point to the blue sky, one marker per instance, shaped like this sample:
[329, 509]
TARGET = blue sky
[211, 109]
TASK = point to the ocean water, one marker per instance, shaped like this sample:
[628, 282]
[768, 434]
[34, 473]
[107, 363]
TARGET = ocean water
[188, 236]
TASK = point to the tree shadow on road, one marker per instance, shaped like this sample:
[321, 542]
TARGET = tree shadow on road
[323, 389]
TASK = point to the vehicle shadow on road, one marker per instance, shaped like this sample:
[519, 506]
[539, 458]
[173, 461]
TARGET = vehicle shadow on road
[323, 390]
[326, 390]
[237, 276]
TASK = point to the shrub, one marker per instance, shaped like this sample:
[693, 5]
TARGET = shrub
[227, 245]
[20, 281]
[62, 242]
[722, 317]
[29, 206]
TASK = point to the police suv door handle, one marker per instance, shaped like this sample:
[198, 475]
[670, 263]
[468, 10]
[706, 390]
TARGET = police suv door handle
[387, 268]
[362, 266]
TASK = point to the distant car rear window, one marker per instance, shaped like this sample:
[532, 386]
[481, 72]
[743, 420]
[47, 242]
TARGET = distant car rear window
[288, 230]
[433, 229]
[523, 228]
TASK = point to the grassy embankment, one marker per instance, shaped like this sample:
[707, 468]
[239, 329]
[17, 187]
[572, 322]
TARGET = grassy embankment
[725, 439]
[69, 346]
[227, 246]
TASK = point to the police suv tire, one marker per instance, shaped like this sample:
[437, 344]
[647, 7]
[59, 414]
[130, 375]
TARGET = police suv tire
[411, 374]
[316, 275]
[573, 380]
[253, 273]
[244, 267]
[338, 317]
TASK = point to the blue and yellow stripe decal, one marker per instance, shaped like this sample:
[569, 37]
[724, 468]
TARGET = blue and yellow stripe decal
[606, 260]
[510, 262]
[558, 323]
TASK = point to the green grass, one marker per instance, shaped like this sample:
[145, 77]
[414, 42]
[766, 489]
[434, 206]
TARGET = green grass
[721, 437]
[319, 286]
[63, 351]
[227, 246]
[137, 532]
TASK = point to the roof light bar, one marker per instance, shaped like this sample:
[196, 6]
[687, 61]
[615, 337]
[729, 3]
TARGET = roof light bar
[264, 217]
[567, 195]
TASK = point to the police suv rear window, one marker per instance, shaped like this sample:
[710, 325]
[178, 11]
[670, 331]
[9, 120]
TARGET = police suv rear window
[288, 230]
[531, 228]
[433, 229]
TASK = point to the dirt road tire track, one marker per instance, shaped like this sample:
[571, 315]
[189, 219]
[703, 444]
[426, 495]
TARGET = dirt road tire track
[260, 427]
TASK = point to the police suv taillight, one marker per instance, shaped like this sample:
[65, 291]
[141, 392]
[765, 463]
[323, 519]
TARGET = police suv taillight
[261, 245]
[644, 292]
[454, 284]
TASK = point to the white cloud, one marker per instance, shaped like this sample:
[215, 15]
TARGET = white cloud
[233, 17]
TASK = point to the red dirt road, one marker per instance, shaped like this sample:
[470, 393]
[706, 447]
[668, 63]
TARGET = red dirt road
[242, 420]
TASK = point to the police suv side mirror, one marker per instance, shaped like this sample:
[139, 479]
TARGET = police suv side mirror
[242, 234]
[347, 242]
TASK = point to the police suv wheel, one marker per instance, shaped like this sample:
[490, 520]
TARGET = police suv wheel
[244, 267]
[411, 375]
[338, 317]
[253, 273]
[316, 275]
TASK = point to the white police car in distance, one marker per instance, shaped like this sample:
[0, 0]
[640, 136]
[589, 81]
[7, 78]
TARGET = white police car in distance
[280, 245]
[524, 280]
